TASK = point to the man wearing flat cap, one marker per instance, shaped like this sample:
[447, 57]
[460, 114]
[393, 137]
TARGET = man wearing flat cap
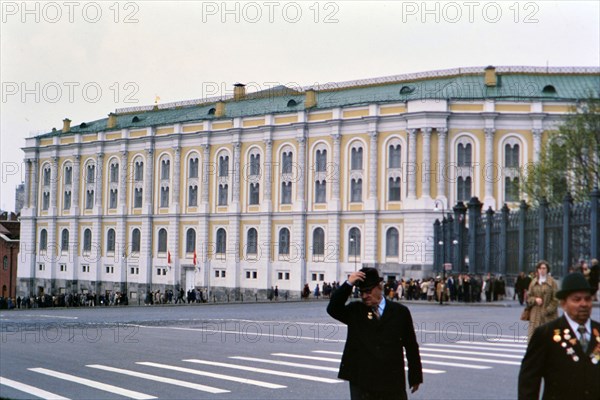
[378, 333]
[565, 352]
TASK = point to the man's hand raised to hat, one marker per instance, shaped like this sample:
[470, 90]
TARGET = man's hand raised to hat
[356, 276]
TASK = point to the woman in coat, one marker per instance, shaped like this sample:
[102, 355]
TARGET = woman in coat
[541, 298]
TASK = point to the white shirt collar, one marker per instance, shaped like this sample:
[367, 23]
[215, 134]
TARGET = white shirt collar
[575, 325]
[381, 305]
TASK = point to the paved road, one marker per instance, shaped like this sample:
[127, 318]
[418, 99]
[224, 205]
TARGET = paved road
[242, 351]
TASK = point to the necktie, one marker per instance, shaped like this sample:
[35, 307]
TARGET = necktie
[583, 340]
[376, 312]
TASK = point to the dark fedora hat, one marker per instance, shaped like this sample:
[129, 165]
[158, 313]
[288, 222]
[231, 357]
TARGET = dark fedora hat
[371, 280]
[574, 282]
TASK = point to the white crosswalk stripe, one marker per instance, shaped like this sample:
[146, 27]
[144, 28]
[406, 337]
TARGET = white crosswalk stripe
[454, 346]
[37, 392]
[156, 378]
[483, 360]
[494, 344]
[94, 384]
[474, 353]
[213, 375]
[287, 364]
[337, 360]
[265, 371]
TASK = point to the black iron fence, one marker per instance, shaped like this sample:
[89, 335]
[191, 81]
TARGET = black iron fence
[507, 242]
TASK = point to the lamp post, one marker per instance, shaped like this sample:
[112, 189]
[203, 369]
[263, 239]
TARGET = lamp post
[353, 241]
[436, 205]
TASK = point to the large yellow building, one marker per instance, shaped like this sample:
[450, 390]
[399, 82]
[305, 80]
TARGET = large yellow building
[280, 187]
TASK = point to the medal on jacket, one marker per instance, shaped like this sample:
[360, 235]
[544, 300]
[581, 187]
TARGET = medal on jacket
[370, 315]
[556, 336]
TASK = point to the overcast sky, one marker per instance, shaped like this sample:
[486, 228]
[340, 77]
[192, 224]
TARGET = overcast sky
[82, 60]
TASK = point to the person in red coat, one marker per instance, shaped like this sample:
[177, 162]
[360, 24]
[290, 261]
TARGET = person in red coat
[378, 333]
[565, 352]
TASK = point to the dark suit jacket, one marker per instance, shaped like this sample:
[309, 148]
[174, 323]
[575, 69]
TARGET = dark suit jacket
[374, 353]
[564, 378]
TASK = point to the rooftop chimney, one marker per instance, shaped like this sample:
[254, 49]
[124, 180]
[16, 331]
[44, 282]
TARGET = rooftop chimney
[112, 120]
[220, 109]
[239, 91]
[66, 125]
[491, 78]
[310, 99]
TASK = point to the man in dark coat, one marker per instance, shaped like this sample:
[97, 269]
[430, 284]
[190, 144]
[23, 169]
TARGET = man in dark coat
[565, 352]
[378, 333]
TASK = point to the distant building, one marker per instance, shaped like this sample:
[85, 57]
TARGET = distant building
[19, 198]
[284, 186]
[10, 229]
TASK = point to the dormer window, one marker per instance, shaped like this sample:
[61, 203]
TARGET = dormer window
[83, 125]
[292, 103]
[549, 89]
[407, 90]
[212, 111]
[135, 119]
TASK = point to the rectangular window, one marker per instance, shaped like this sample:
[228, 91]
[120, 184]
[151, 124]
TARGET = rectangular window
[110, 269]
[85, 268]
[320, 192]
[314, 277]
[222, 195]
[254, 193]
[42, 267]
[68, 175]
[356, 188]
[217, 273]
[280, 275]
[45, 201]
[63, 267]
[287, 276]
[137, 198]
[286, 193]
[247, 274]
[193, 196]
[321, 277]
[89, 200]
[223, 274]
[113, 199]
[67, 202]
[164, 197]
[394, 189]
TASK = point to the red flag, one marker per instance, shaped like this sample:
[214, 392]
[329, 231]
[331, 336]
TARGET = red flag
[168, 257]
[195, 259]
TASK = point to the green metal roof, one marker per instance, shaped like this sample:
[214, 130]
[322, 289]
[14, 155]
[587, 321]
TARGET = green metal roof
[546, 87]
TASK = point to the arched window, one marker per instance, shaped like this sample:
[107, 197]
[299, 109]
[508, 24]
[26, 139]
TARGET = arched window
[162, 240]
[511, 156]
[136, 240]
[190, 241]
[287, 162]
[221, 241]
[110, 241]
[254, 164]
[464, 155]
[64, 241]
[321, 161]
[318, 242]
[224, 166]
[193, 171]
[114, 172]
[392, 241]
[91, 173]
[357, 159]
[252, 241]
[354, 243]
[87, 240]
[284, 241]
[165, 169]
[395, 156]
[68, 175]
[43, 240]
[5, 263]
[138, 174]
